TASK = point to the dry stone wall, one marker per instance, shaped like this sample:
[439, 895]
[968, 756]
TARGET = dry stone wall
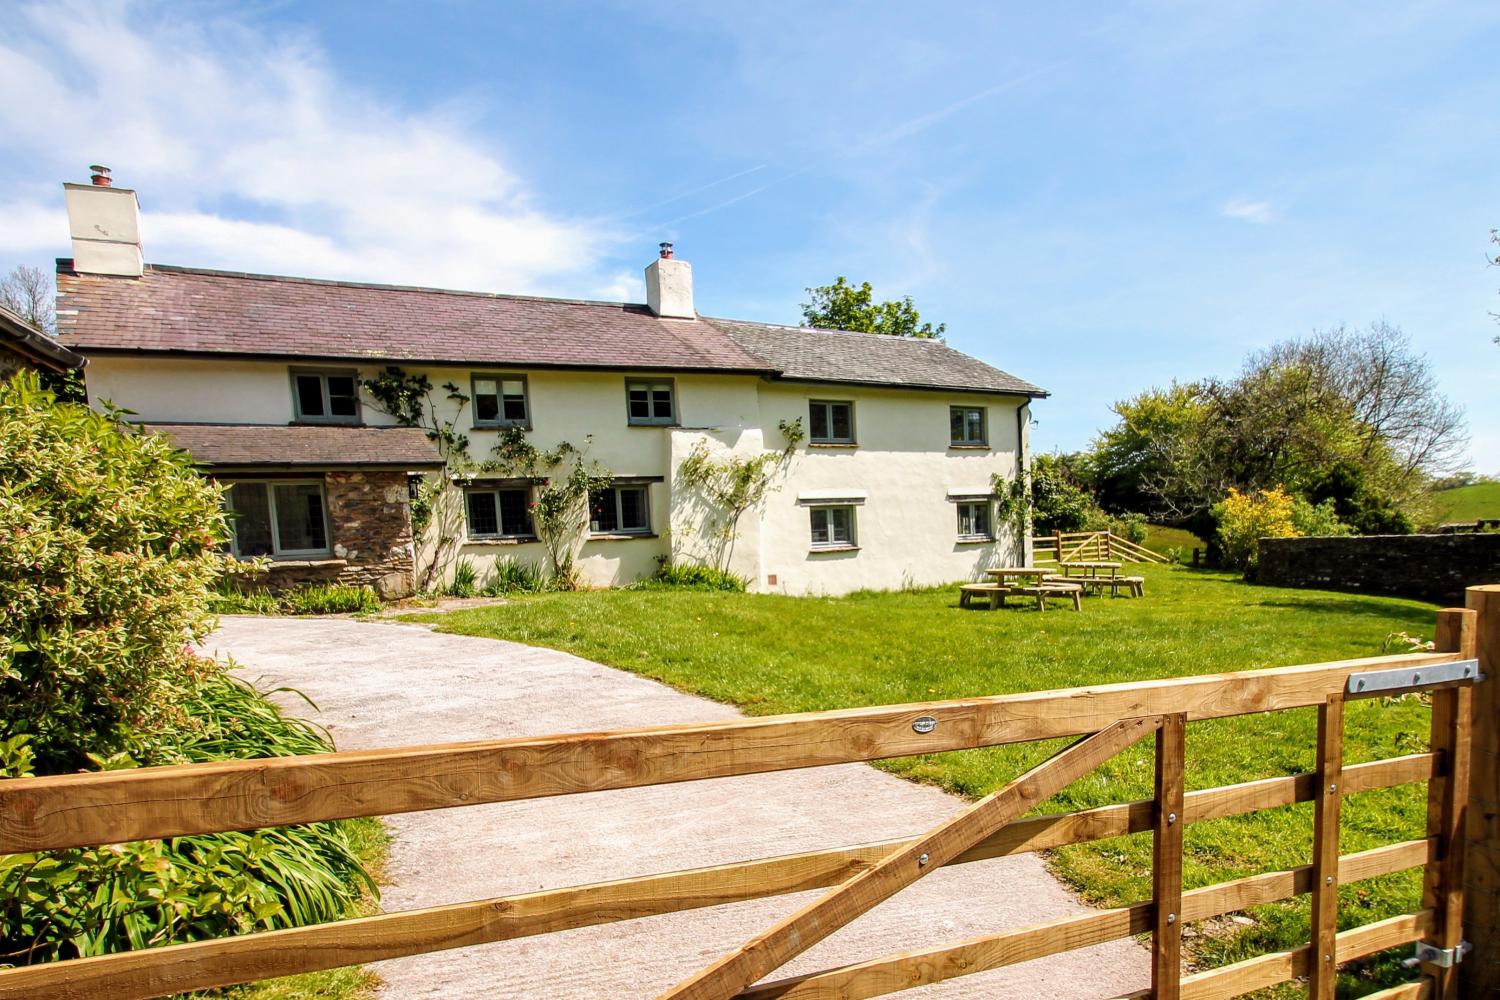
[1433, 568]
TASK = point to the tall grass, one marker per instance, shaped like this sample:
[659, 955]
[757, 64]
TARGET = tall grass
[511, 576]
[308, 599]
[671, 576]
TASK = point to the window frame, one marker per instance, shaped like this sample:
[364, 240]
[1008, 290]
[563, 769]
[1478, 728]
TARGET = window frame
[649, 384]
[832, 545]
[989, 516]
[614, 489]
[853, 437]
[277, 552]
[500, 535]
[323, 375]
[500, 378]
[984, 427]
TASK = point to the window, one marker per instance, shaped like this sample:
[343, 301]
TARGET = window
[830, 422]
[326, 397]
[966, 426]
[974, 521]
[651, 402]
[620, 510]
[500, 401]
[277, 519]
[832, 527]
[499, 513]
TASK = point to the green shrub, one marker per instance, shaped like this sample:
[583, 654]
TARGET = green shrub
[465, 580]
[109, 544]
[669, 575]
[511, 576]
[329, 599]
[1322, 519]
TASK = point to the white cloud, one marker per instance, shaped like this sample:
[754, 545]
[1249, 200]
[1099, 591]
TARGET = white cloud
[624, 286]
[1258, 212]
[248, 153]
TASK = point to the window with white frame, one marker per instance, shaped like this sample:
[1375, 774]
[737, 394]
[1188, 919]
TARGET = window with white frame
[620, 510]
[967, 426]
[830, 421]
[499, 512]
[277, 518]
[832, 526]
[501, 401]
[651, 402]
[974, 521]
[325, 397]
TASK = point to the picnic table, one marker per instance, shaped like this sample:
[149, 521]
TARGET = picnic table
[1003, 573]
[1099, 575]
[1022, 581]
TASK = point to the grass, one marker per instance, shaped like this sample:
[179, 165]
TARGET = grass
[306, 599]
[1469, 503]
[770, 654]
[1160, 538]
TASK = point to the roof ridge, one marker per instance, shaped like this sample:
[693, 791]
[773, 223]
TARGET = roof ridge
[802, 328]
[388, 287]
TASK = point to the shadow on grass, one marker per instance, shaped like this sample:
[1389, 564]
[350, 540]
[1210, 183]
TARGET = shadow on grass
[1375, 607]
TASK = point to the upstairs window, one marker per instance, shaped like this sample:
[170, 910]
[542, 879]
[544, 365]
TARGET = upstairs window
[974, 524]
[832, 527]
[326, 397]
[967, 426]
[500, 401]
[620, 510]
[651, 402]
[499, 512]
[277, 519]
[830, 421]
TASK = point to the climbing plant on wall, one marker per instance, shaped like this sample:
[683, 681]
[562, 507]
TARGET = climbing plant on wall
[735, 484]
[562, 478]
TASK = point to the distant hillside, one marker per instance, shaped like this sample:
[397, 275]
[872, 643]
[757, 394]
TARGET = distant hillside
[1469, 503]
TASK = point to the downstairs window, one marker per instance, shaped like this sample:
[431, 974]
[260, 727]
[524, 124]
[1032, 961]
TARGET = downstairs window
[277, 518]
[832, 527]
[620, 510]
[499, 512]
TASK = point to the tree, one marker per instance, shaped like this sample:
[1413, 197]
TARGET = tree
[27, 291]
[841, 306]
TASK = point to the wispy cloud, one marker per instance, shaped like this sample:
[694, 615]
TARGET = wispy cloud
[1258, 212]
[250, 153]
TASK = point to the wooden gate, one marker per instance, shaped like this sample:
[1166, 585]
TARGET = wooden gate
[107, 807]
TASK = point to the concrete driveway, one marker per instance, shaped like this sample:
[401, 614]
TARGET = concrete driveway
[388, 684]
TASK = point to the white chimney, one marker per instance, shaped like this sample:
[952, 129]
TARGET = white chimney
[669, 286]
[105, 223]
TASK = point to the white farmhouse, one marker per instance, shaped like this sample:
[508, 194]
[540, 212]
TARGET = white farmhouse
[259, 378]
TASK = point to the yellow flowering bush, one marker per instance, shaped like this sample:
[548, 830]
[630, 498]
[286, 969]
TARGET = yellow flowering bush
[1245, 518]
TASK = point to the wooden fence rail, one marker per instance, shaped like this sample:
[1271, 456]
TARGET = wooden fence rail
[1062, 547]
[105, 807]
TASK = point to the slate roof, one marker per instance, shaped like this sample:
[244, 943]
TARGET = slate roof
[803, 354]
[206, 313]
[302, 445]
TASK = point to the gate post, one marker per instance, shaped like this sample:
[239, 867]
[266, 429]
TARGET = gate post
[1479, 974]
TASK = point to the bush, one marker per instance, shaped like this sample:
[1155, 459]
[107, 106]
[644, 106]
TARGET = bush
[93, 901]
[109, 544]
[677, 577]
[511, 576]
[1322, 519]
[329, 599]
[1245, 518]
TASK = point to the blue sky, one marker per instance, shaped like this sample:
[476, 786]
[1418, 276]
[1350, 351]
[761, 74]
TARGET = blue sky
[1098, 199]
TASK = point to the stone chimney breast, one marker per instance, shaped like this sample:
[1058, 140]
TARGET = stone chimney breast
[669, 286]
[105, 224]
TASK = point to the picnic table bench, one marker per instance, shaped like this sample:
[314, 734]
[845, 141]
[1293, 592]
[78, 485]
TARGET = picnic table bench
[1099, 575]
[1040, 590]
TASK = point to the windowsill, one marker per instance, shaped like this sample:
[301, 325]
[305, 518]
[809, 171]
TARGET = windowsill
[501, 427]
[821, 549]
[297, 562]
[619, 536]
[833, 444]
[322, 422]
[644, 423]
[976, 540]
[968, 447]
[498, 540]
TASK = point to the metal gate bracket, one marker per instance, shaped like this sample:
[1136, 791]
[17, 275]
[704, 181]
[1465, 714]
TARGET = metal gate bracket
[1412, 678]
[1443, 958]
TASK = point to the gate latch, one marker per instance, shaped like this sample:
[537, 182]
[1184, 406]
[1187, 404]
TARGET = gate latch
[1443, 958]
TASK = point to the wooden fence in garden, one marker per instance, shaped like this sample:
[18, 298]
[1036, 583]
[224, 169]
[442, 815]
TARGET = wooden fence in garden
[1091, 546]
[1460, 769]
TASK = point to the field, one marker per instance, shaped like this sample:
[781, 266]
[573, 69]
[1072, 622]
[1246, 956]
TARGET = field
[770, 654]
[1469, 503]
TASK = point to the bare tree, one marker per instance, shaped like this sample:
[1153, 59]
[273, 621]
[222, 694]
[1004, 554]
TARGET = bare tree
[27, 291]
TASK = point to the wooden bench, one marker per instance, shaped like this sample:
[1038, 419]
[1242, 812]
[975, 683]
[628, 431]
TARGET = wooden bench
[1044, 590]
[994, 592]
[1135, 584]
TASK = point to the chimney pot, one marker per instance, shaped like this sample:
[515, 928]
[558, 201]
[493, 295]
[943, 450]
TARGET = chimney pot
[99, 175]
[666, 251]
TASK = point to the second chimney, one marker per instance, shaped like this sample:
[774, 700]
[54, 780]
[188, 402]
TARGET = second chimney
[669, 286]
[105, 223]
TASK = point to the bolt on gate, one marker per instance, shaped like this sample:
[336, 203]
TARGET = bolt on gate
[1460, 768]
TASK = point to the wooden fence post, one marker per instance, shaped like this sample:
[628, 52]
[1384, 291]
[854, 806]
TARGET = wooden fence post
[1447, 799]
[1479, 974]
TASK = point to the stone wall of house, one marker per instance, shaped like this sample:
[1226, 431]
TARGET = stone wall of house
[1433, 568]
[369, 519]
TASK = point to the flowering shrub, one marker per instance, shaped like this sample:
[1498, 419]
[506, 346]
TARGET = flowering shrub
[1245, 518]
[109, 544]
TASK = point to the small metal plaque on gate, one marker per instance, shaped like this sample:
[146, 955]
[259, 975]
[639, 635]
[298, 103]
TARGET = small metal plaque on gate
[1413, 678]
[925, 724]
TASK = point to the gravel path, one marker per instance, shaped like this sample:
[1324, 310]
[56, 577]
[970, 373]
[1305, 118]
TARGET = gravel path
[386, 684]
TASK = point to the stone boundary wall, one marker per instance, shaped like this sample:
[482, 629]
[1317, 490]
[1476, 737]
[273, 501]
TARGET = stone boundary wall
[1433, 568]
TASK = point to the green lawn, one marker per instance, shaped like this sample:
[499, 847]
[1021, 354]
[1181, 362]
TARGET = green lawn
[770, 654]
[1160, 538]
[1469, 503]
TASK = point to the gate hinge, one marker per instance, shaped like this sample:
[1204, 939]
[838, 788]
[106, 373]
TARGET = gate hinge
[1443, 958]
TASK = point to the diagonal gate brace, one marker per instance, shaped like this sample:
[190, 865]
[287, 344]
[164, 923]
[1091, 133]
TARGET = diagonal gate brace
[862, 893]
